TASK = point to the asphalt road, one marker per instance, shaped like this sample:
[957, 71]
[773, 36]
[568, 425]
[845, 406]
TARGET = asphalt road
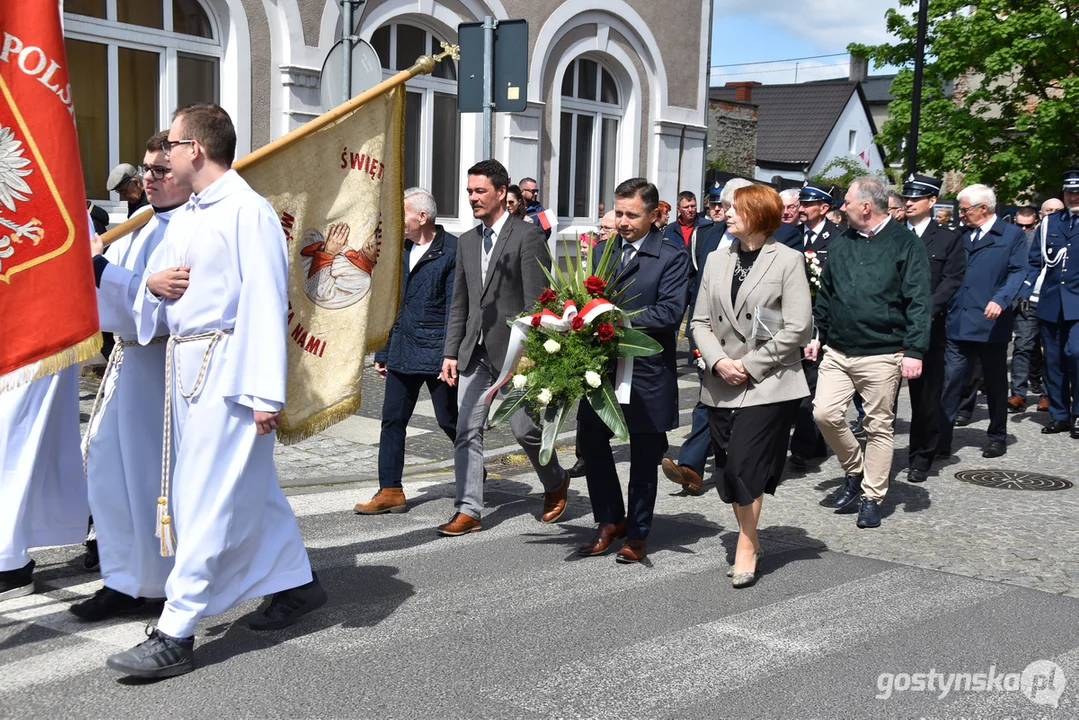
[509, 623]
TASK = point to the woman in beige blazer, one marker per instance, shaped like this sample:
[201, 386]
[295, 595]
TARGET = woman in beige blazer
[753, 314]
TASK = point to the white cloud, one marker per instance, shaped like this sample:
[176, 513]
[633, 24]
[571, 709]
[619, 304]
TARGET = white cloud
[828, 24]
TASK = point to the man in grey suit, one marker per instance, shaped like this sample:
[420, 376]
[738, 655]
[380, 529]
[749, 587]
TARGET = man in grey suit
[499, 275]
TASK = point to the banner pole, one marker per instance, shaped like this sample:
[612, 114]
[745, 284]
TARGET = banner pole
[424, 65]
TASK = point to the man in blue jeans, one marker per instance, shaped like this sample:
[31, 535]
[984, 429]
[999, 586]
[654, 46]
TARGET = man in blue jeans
[412, 356]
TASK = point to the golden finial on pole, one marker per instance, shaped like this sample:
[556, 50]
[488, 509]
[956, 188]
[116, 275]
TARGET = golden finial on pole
[451, 51]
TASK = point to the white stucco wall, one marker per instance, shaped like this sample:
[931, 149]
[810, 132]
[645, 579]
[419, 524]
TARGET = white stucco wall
[853, 118]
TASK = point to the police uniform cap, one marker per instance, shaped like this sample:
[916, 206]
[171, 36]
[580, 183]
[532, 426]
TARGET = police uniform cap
[816, 192]
[1071, 180]
[715, 191]
[918, 186]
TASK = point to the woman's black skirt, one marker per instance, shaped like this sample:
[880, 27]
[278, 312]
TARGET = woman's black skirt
[754, 440]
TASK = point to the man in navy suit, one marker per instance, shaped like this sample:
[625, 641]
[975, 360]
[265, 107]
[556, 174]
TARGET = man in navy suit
[657, 271]
[980, 316]
[1058, 307]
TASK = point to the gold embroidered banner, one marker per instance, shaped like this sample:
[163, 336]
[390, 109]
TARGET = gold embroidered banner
[338, 192]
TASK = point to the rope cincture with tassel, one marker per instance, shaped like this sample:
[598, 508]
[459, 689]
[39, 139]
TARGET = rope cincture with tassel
[116, 358]
[165, 531]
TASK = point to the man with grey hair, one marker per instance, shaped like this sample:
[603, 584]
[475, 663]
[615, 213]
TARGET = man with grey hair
[790, 206]
[412, 356]
[980, 316]
[873, 313]
[1051, 206]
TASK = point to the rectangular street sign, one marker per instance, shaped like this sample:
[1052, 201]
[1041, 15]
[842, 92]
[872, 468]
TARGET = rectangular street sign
[510, 66]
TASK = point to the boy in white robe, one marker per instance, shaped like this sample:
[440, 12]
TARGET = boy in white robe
[221, 279]
[123, 443]
[42, 486]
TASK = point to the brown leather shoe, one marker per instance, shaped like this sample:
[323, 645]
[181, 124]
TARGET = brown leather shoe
[682, 475]
[632, 551]
[606, 533]
[460, 524]
[554, 503]
[1043, 404]
[386, 500]
[1017, 404]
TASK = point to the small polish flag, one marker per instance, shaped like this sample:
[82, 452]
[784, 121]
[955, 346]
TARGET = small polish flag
[866, 156]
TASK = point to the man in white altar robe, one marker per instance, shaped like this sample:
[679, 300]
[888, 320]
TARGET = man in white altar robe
[123, 442]
[222, 278]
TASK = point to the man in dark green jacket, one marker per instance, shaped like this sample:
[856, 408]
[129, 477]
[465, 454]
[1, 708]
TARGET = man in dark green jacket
[873, 314]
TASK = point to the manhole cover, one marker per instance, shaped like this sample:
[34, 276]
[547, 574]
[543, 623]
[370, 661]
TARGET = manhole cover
[1012, 480]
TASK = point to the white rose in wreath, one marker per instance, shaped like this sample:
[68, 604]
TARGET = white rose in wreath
[544, 396]
[552, 346]
[519, 381]
[593, 379]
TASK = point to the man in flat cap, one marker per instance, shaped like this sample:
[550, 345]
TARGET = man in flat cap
[1058, 306]
[947, 263]
[125, 181]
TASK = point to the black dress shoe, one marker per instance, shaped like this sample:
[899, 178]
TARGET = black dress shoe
[578, 469]
[160, 656]
[91, 561]
[288, 606]
[994, 449]
[915, 475]
[846, 500]
[963, 420]
[1056, 426]
[17, 583]
[104, 604]
[869, 514]
[1075, 429]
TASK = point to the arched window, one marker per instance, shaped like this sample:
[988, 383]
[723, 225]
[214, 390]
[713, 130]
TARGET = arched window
[132, 62]
[588, 139]
[432, 123]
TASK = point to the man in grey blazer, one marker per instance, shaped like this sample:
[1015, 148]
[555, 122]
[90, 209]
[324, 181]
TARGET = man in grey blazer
[499, 275]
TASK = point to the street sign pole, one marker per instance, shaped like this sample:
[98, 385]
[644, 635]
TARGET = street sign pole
[489, 25]
[916, 95]
[346, 45]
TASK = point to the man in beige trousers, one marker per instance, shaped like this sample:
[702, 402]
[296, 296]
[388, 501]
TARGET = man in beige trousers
[873, 315]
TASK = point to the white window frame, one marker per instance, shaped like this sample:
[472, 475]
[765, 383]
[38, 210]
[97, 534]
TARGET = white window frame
[599, 111]
[426, 86]
[165, 43]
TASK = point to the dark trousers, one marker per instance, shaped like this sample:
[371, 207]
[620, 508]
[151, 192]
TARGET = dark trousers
[645, 453]
[698, 444]
[994, 359]
[807, 440]
[972, 381]
[1060, 340]
[402, 392]
[1026, 352]
[927, 414]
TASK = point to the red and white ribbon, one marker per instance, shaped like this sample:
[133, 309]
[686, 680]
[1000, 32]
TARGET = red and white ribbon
[623, 373]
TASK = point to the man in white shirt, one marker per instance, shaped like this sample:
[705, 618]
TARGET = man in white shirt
[499, 275]
[122, 446]
[222, 274]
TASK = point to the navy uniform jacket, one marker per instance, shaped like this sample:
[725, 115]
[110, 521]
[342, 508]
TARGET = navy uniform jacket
[996, 268]
[705, 239]
[532, 213]
[947, 263]
[1059, 297]
[656, 282]
[829, 233]
[790, 236]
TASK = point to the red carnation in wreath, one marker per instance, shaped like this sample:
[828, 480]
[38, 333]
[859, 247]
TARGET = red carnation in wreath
[577, 323]
[594, 284]
[536, 321]
[605, 331]
[547, 296]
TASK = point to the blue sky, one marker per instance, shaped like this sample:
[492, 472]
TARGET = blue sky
[767, 30]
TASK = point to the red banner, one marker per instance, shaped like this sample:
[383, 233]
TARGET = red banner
[47, 301]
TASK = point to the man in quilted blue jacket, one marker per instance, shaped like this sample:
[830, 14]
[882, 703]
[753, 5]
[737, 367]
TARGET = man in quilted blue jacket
[412, 356]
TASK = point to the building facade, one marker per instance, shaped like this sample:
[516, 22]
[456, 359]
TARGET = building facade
[616, 89]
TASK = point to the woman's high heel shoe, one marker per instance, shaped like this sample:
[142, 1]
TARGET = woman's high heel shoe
[746, 579]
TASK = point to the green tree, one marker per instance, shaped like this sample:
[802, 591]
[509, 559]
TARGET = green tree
[1013, 121]
[841, 171]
